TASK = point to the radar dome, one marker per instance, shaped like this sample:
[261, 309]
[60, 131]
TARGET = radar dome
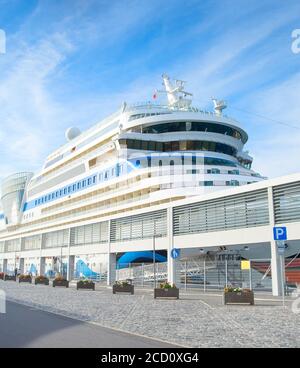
[72, 133]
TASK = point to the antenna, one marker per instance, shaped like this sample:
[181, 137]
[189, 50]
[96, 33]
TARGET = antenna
[219, 105]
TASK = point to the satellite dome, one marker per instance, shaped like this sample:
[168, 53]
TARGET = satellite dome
[72, 133]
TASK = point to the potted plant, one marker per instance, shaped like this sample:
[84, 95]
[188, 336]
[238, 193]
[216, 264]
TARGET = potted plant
[166, 290]
[9, 277]
[25, 278]
[60, 281]
[85, 284]
[2, 275]
[238, 296]
[123, 287]
[41, 280]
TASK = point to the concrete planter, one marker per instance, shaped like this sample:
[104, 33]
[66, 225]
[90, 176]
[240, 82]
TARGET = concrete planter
[166, 293]
[25, 279]
[10, 278]
[41, 281]
[63, 283]
[123, 289]
[239, 297]
[85, 285]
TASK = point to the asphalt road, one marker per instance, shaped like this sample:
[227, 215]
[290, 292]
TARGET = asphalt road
[27, 327]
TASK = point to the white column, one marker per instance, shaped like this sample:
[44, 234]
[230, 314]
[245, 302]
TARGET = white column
[173, 264]
[275, 259]
[70, 263]
[4, 265]
[111, 261]
[42, 266]
[111, 268]
[70, 270]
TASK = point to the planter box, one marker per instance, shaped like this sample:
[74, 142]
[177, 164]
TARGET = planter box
[166, 293]
[10, 278]
[123, 289]
[1, 276]
[29, 280]
[41, 282]
[63, 283]
[242, 297]
[89, 285]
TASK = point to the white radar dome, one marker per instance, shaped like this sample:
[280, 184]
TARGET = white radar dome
[72, 133]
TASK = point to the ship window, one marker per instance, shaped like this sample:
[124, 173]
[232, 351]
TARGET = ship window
[113, 172]
[89, 181]
[100, 177]
[94, 179]
[78, 185]
[106, 175]
[69, 189]
[74, 187]
[208, 183]
[35, 203]
[65, 190]
[83, 183]
[137, 163]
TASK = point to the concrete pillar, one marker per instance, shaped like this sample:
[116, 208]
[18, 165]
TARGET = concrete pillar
[173, 264]
[275, 259]
[21, 265]
[70, 269]
[42, 267]
[111, 268]
[4, 265]
[276, 270]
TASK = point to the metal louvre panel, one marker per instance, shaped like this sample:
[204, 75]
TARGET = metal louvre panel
[12, 245]
[88, 230]
[139, 226]
[238, 211]
[95, 233]
[56, 239]
[79, 235]
[104, 232]
[90, 234]
[70, 174]
[287, 202]
[32, 242]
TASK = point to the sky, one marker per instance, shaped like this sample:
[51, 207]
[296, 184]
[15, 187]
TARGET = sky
[73, 62]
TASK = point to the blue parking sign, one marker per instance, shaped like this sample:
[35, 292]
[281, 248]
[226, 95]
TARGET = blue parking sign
[280, 233]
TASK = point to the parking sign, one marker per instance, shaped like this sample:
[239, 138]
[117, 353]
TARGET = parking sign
[280, 233]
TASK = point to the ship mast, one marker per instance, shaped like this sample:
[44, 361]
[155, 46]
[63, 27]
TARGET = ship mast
[175, 93]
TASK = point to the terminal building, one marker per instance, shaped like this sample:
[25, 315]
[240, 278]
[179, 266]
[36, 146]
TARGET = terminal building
[147, 179]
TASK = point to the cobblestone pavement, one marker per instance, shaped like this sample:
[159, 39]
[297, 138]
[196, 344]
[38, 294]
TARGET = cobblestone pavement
[195, 320]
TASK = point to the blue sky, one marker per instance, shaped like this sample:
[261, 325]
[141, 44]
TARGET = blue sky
[72, 62]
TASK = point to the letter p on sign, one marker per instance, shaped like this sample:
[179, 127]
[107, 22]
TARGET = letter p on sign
[280, 233]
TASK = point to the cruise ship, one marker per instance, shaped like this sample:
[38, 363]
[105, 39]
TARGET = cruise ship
[141, 156]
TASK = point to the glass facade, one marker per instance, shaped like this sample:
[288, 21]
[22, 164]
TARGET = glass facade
[196, 126]
[186, 145]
